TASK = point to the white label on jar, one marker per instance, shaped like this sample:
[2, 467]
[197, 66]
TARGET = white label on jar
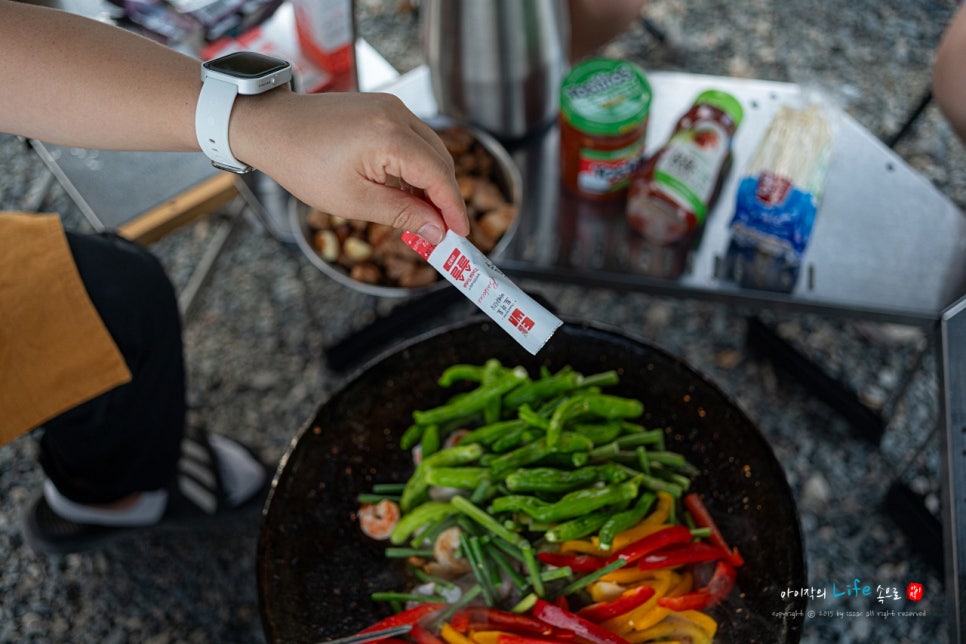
[606, 171]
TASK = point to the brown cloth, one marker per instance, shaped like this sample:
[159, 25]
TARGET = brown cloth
[55, 351]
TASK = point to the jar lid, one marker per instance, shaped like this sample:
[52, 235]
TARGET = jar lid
[605, 97]
[724, 102]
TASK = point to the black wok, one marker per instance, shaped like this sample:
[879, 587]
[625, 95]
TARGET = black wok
[316, 571]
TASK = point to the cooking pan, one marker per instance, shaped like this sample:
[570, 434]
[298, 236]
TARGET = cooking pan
[316, 571]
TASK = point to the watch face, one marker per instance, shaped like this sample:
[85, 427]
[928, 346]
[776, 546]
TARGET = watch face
[246, 64]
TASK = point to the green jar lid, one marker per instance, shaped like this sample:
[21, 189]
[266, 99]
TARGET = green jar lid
[605, 97]
[724, 102]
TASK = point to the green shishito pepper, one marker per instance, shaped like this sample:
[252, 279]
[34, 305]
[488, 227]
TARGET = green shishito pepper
[429, 512]
[466, 478]
[570, 505]
[472, 402]
[566, 443]
[417, 486]
[596, 405]
[553, 479]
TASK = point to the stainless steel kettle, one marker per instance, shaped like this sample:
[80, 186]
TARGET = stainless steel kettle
[497, 63]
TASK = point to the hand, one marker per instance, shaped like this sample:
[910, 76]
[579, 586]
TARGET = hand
[343, 153]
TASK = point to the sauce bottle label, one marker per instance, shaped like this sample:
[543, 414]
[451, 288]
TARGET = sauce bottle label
[686, 173]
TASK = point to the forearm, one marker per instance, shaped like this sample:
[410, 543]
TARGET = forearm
[594, 23]
[76, 82]
[83, 83]
[949, 74]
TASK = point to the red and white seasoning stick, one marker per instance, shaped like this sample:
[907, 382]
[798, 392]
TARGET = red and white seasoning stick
[468, 269]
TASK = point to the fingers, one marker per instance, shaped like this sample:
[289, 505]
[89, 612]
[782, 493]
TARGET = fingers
[445, 195]
[425, 167]
[404, 209]
[346, 163]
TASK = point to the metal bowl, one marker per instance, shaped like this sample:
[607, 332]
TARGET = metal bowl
[506, 176]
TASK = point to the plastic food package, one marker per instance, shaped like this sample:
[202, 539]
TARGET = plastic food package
[778, 197]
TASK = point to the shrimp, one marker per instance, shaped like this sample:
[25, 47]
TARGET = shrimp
[448, 560]
[454, 438]
[378, 519]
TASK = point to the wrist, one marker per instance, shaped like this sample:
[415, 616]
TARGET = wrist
[257, 128]
[226, 82]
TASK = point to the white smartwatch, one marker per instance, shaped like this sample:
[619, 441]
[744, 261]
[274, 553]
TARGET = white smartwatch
[243, 72]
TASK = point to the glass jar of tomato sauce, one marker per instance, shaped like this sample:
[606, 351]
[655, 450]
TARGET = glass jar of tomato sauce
[604, 109]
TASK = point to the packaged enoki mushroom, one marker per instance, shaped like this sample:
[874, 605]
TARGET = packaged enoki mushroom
[778, 197]
[468, 269]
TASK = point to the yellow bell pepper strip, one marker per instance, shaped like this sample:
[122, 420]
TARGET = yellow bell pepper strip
[487, 637]
[523, 639]
[585, 546]
[625, 603]
[666, 581]
[585, 629]
[655, 519]
[605, 591]
[680, 555]
[703, 518]
[717, 588]
[673, 629]
[704, 621]
[628, 576]
[671, 535]
[410, 616]
[452, 636]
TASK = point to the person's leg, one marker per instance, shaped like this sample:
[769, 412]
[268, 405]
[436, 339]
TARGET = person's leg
[125, 460]
[128, 439]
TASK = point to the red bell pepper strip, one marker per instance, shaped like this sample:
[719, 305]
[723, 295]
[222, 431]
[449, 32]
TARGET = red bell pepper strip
[680, 555]
[584, 628]
[717, 588]
[652, 542]
[422, 636]
[480, 617]
[562, 602]
[628, 601]
[577, 563]
[409, 616]
[702, 517]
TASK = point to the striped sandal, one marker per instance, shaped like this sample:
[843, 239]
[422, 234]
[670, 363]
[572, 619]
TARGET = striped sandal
[217, 478]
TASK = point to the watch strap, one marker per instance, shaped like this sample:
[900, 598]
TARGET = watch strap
[212, 116]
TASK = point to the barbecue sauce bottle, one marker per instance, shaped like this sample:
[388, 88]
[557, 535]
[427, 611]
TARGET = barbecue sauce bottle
[670, 196]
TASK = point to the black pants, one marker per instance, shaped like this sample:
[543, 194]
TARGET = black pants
[128, 439]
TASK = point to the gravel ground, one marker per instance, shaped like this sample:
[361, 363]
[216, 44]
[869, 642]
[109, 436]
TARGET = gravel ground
[256, 340]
